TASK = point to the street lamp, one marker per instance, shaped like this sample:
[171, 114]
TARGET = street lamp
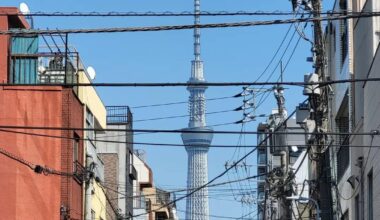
[300, 198]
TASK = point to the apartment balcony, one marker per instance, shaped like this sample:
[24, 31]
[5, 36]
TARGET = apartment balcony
[43, 68]
[260, 171]
[261, 179]
[79, 172]
[30, 64]
[262, 158]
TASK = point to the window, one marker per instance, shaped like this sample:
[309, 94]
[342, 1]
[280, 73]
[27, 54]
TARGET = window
[23, 69]
[261, 171]
[370, 195]
[262, 156]
[90, 124]
[343, 32]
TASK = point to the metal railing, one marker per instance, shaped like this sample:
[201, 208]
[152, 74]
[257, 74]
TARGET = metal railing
[79, 172]
[118, 114]
[44, 68]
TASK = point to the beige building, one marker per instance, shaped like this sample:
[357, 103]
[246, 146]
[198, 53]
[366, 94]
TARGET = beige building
[150, 202]
[95, 201]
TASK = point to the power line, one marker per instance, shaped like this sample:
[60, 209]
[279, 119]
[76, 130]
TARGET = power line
[166, 13]
[216, 216]
[186, 189]
[182, 116]
[228, 169]
[189, 194]
[177, 103]
[191, 84]
[177, 130]
[186, 27]
[35, 167]
[264, 98]
[157, 144]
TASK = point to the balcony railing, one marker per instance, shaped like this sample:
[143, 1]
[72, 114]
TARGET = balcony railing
[343, 159]
[79, 172]
[118, 114]
[261, 158]
[140, 202]
[44, 68]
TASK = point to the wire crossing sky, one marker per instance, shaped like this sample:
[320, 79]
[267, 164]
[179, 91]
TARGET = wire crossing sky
[230, 55]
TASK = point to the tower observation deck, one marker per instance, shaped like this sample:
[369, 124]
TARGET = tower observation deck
[197, 144]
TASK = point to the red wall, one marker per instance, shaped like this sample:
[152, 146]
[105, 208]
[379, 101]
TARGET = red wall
[25, 193]
[71, 189]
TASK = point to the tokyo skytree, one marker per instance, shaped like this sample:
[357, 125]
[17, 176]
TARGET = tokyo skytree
[197, 144]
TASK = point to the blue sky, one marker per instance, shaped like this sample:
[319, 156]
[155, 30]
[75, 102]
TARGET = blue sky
[238, 54]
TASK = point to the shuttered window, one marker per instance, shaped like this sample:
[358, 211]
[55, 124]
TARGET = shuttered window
[24, 62]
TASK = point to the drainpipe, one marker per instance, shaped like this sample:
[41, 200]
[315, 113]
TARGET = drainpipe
[89, 187]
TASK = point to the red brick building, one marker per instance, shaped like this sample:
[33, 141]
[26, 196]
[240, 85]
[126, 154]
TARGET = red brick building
[24, 193]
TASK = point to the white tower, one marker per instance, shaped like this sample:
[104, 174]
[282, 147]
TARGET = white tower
[197, 144]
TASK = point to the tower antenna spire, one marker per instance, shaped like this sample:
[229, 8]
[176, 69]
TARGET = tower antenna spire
[197, 144]
[197, 30]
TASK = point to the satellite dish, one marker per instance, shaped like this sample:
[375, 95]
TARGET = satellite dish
[294, 148]
[41, 69]
[91, 72]
[24, 8]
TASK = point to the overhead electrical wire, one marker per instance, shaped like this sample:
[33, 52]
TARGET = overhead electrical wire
[35, 167]
[202, 84]
[263, 99]
[186, 27]
[226, 170]
[182, 116]
[374, 132]
[168, 13]
[186, 189]
[175, 130]
[218, 216]
[177, 103]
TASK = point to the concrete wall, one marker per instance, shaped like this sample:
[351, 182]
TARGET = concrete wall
[364, 103]
[122, 151]
[371, 122]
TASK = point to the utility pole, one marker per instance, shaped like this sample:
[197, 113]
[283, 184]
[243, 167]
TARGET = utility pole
[284, 204]
[318, 101]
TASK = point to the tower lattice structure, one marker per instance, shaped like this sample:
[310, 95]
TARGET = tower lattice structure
[197, 144]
